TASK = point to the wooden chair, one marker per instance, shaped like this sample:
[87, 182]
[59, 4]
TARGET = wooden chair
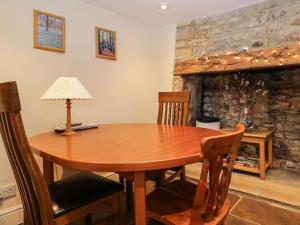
[184, 203]
[173, 109]
[63, 201]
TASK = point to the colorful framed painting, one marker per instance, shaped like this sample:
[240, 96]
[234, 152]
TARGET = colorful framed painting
[105, 44]
[49, 31]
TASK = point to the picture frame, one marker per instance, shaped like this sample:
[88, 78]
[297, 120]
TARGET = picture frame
[105, 43]
[49, 31]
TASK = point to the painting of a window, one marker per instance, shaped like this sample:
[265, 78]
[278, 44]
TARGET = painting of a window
[49, 31]
[105, 43]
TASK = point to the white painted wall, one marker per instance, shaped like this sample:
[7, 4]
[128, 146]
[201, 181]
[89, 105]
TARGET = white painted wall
[124, 90]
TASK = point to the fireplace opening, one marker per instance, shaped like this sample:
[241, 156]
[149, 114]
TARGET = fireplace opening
[275, 106]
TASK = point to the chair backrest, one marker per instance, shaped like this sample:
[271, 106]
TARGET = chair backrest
[32, 186]
[219, 153]
[173, 108]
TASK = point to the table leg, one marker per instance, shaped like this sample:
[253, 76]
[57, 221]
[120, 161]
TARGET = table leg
[262, 169]
[140, 198]
[48, 171]
[270, 151]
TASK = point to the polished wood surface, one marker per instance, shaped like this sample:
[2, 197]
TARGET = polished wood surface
[33, 189]
[123, 147]
[134, 148]
[36, 200]
[173, 107]
[183, 203]
[263, 139]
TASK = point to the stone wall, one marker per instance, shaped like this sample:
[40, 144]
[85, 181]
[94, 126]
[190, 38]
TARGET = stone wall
[269, 24]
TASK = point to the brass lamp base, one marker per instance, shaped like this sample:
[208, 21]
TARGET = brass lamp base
[68, 133]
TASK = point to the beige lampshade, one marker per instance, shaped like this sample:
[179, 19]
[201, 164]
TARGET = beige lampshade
[66, 88]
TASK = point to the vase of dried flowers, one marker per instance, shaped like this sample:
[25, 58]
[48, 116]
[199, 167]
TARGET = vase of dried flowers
[247, 119]
[248, 88]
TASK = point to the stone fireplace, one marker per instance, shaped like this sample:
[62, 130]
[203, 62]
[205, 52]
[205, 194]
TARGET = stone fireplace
[278, 110]
[210, 51]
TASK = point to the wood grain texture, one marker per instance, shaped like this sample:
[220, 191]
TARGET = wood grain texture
[173, 108]
[276, 57]
[184, 203]
[36, 200]
[123, 147]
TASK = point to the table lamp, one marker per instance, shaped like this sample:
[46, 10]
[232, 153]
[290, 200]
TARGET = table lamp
[67, 88]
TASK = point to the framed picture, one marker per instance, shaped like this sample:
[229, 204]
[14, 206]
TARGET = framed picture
[105, 44]
[49, 31]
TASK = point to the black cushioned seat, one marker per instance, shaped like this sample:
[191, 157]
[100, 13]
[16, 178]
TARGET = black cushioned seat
[79, 190]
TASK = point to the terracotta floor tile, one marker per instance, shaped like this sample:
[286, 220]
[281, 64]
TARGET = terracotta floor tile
[233, 220]
[233, 199]
[264, 213]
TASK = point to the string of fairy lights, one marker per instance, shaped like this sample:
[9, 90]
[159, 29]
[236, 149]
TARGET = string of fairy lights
[279, 55]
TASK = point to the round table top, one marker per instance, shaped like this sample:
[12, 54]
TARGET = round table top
[123, 147]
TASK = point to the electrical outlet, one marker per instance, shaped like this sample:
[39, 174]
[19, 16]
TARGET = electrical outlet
[7, 191]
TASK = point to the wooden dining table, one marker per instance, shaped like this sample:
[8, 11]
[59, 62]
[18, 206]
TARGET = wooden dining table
[133, 148]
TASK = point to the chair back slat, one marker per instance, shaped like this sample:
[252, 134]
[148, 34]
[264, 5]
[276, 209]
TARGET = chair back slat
[173, 108]
[219, 153]
[32, 186]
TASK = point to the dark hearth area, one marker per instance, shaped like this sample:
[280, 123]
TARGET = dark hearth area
[278, 109]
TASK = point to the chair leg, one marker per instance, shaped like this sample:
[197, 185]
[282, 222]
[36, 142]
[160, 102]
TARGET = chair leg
[88, 219]
[121, 180]
[118, 205]
[129, 195]
[160, 180]
[182, 174]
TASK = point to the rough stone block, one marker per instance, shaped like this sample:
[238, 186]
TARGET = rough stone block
[181, 44]
[186, 32]
[183, 53]
[294, 118]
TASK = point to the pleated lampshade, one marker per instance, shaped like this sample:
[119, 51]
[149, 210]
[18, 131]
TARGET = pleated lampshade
[66, 88]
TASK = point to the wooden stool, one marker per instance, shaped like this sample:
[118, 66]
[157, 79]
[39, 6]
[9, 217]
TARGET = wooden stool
[262, 138]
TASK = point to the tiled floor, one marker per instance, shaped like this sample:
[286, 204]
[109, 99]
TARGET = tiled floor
[248, 211]
[280, 186]
[273, 201]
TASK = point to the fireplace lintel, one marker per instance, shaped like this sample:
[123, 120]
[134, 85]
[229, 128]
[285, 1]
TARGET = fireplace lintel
[241, 61]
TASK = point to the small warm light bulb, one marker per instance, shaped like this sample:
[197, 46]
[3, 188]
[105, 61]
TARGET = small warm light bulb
[295, 56]
[274, 51]
[237, 57]
[266, 61]
[248, 58]
[163, 6]
[245, 48]
[256, 60]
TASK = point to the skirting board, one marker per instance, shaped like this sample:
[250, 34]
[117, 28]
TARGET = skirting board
[12, 215]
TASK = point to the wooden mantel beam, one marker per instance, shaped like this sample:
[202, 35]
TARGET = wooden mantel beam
[241, 61]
